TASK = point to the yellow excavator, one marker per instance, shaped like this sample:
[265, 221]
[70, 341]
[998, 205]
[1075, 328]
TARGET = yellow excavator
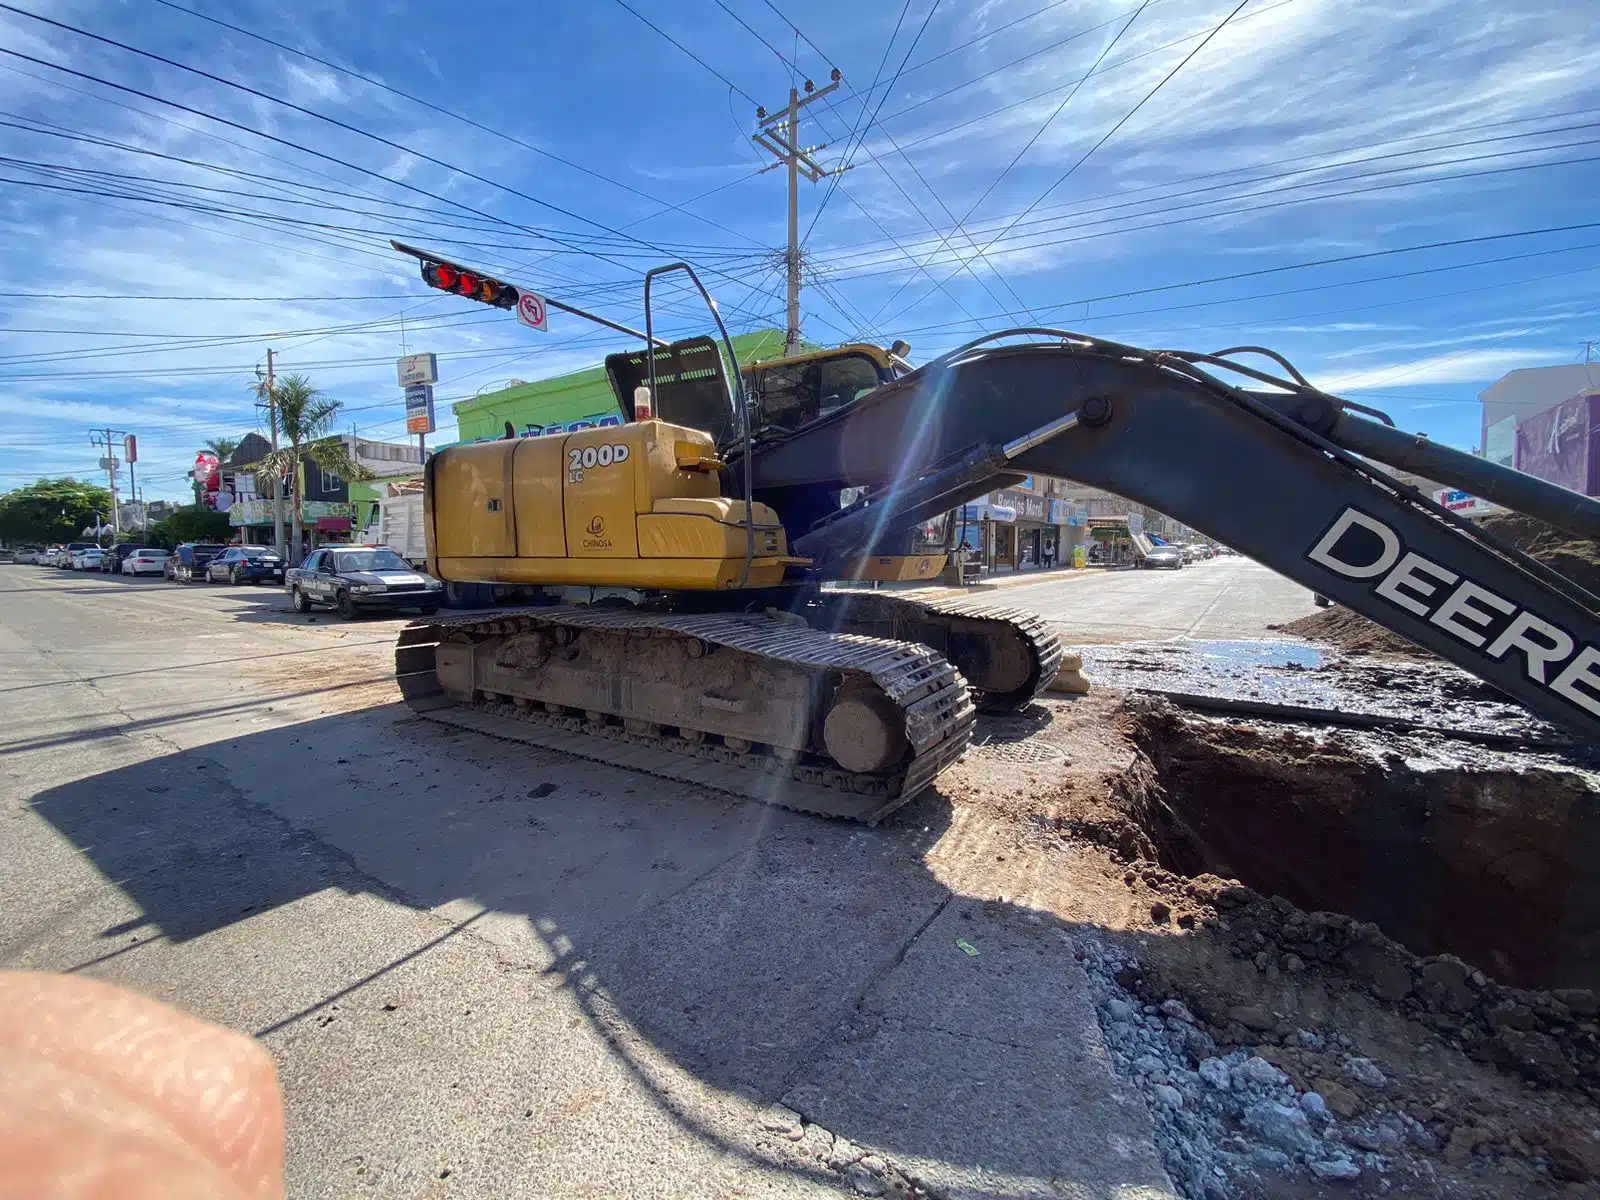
[681, 625]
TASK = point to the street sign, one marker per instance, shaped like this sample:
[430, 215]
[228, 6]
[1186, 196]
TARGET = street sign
[531, 311]
[417, 368]
[419, 407]
[132, 448]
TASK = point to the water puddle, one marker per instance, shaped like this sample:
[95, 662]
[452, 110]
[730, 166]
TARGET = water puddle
[1295, 677]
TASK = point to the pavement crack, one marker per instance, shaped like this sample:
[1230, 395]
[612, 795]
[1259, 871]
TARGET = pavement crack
[804, 1061]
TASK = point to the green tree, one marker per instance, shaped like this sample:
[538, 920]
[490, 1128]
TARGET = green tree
[306, 420]
[52, 510]
[196, 524]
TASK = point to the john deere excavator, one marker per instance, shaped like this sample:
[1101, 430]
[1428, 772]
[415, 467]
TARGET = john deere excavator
[680, 557]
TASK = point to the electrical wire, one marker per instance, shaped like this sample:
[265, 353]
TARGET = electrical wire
[1072, 212]
[663, 205]
[1056, 112]
[322, 117]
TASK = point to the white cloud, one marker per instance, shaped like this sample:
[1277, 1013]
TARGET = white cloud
[1469, 367]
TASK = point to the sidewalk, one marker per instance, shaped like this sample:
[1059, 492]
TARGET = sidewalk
[992, 583]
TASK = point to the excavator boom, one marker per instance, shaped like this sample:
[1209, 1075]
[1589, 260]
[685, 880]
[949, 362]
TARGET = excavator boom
[1271, 474]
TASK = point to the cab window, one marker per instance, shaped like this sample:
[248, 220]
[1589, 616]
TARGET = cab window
[792, 396]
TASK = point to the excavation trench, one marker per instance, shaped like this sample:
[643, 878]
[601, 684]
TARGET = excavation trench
[1493, 856]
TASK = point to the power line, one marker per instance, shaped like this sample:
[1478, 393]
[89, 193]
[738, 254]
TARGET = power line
[1072, 212]
[1164, 80]
[859, 133]
[1050, 91]
[322, 117]
[1018, 156]
[731, 85]
[1257, 272]
[861, 145]
[455, 116]
[1253, 209]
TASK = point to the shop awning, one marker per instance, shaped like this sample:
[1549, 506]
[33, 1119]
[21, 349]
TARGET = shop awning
[333, 524]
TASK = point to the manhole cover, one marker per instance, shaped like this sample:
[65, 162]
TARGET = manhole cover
[1021, 753]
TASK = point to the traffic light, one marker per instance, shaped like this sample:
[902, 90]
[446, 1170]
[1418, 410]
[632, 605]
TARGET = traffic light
[472, 284]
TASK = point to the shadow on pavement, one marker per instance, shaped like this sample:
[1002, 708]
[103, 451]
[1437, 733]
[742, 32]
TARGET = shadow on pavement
[772, 956]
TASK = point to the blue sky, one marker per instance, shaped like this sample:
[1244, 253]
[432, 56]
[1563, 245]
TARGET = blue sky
[1302, 131]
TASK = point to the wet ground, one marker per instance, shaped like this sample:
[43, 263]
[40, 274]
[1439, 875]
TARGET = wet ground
[1288, 679]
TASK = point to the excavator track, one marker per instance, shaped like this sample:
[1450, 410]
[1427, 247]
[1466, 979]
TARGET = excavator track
[680, 695]
[1008, 655]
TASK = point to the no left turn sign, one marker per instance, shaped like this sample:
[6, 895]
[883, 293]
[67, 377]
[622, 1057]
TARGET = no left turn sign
[531, 310]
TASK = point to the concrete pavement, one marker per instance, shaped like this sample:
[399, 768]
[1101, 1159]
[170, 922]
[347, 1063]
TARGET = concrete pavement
[486, 970]
[1229, 597]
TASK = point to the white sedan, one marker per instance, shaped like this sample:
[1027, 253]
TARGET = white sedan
[87, 560]
[145, 562]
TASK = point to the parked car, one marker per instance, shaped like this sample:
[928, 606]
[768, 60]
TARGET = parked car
[64, 560]
[353, 578]
[111, 564]
[245, 564]
[188, 562]
[28, 554]
[146, 561]
[1164, 556]
[87, 559]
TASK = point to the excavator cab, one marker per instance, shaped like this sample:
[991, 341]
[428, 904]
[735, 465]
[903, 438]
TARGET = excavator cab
[783, 394]
[787, 394]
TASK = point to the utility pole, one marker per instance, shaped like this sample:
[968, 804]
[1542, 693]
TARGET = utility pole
[107, 440]
[779, 136]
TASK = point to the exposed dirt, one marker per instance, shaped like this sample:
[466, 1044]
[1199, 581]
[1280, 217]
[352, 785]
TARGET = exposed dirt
[1576, 558]
[1449, 847]
[1135, 811]
[1354, 634]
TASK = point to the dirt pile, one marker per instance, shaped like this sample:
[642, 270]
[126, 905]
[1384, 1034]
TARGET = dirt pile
[1288, 1052]
[1354, 634]
[1521, 1123]
[1576, 558]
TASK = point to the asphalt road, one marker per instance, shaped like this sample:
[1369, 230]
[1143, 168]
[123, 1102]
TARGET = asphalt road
[1219, 598]
[487, 970]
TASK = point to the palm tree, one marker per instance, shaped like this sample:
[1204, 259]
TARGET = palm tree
[305, 419]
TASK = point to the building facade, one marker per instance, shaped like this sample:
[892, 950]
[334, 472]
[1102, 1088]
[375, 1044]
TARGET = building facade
[578, 400]
[1546, 421]
[1043, 523]
[331, 506]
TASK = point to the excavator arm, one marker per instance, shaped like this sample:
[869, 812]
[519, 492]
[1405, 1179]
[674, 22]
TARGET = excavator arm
[1282, 475]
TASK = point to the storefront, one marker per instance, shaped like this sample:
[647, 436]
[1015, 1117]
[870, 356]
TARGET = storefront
[985, 531]
[1110, 543]
[1031, 536]
[323, 522]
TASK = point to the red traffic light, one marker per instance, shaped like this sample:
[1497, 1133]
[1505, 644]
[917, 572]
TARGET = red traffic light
[440, 275]
[464, 283]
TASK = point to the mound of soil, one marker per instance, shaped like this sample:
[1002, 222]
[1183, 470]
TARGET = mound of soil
[1354, 634]
[1576, 558]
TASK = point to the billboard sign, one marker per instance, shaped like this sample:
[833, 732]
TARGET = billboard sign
[419, 408]
[1465, 503]
[417, 368]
